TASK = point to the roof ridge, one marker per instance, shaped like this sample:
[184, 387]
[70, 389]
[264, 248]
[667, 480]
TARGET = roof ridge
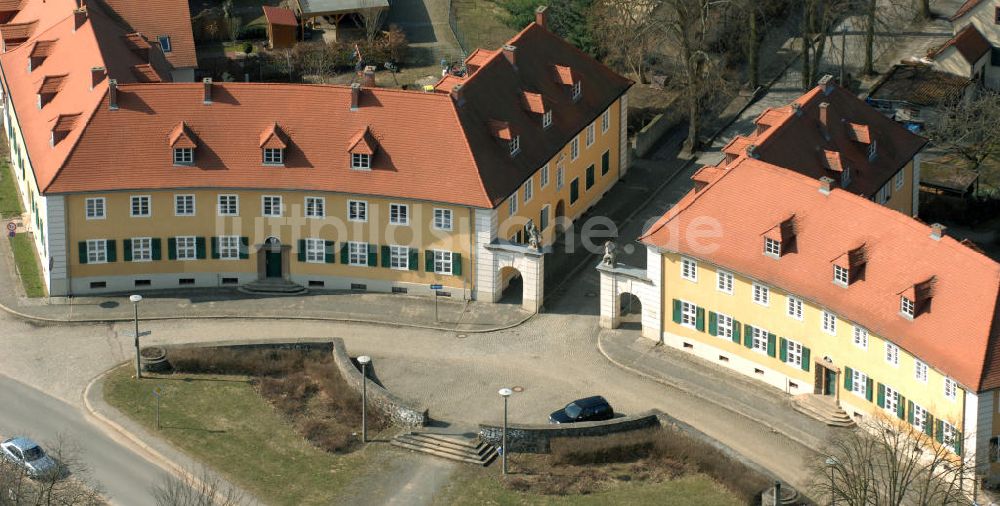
[659, 224]
[465, 142]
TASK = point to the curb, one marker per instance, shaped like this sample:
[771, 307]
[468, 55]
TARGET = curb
[683, 388]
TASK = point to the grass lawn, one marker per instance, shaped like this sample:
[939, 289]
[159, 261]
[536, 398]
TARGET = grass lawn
[481, 23]
[26, 260]
[223, 422]
[10, 204]
[483, 486]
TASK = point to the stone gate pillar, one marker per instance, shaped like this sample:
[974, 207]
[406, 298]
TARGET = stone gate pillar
[611, 310]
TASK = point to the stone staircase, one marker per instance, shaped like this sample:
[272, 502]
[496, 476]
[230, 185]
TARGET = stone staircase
[822, 408]
[273, 286]
[449, 446]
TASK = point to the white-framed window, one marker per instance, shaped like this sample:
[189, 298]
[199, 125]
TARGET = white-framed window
[724, 325]
[891, 403]
[186, 247]
[892, 353]
[183, 156]
[442, 262]
[872, 149]
[512, 205]
[591, 131]
[948, 435]
[560, 177]
[793, 353]
[545, 176]
[543, 218]
[183, 205]
[574, 148]
[165, 44]
[605, 121]
[357, 210]
[96, 208]
[399, 257]
[794, 309]
[724, 281]
[861, 337]
[140, 206]
[274, 156]
[577, 90]
[229, 247]
[399, 214]
[883, 194]
[899, 179]
[859, 383]
[772, 248]
[841, 276]
[829, 323]
[515, 145]
[761, 294]
[689, 314]
[759, 340]
[315, 207]
[442, 219]
[361, 161]
[271, 205]
[920, 371]
[919, 418]
[97, 251]
[142, 249]
[689, 269]
[950, 389]
[357, 253]
[528, 190]
[315, 250]
[906, 307]
[229, 205]
[547, 119]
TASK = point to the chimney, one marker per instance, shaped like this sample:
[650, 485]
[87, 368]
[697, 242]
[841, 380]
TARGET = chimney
[822, 114]
[456, 94]
[510, 53]
[797, 108]
[368, 80]
[355, 95]
[207, 82]
[752, 151]
[826, 82]
[824, 185]
[113, 94]
[542, 16]
[79, 17]
[937, 231]
[96, 76]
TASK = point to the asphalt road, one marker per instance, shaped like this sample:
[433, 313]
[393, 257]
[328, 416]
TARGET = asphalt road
[124, 476]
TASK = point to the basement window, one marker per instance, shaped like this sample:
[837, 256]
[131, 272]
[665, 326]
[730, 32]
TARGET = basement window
[316, 284]
[399, 289]
[143, 282]
[98, 284]
[185, 281]
[358, 286]
[230, 281]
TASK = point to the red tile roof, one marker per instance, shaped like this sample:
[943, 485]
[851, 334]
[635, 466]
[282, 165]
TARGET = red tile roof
[51, 84]
[154, 18]
[533, 102]
[957, 335]
[273, 137]
[362, 143]
[969, 42]
[280, 16]
[180, 137]
[965, 8]
[42, 48]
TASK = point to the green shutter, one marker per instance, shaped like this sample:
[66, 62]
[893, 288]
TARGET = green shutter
[748, 336]
[171, 248]
[909, 412]
[605, 162]
[386, 257]
[82, 247]
[112, 250]
[736, 332]
[574, 191]
[127, 250]
[344, 258]
[215, 247]
[881, 395]
[157, 249]
[957, 443]
[783, 349]
[900, 407]
[770, 345]
[806, 361]
[302, 250]
[590, 177]
[929, 425]
[699, 319]
[869, 387]
[199, 247]
[939, 431]
[244, 248]
[372, 255]
[456, 264]
[677, 311]
[848, 379]
[713, 323]
[414, 259]
[328, 255]
[428, 260]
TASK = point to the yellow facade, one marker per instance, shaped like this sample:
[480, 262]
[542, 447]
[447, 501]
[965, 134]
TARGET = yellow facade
[808, 331]
[901, 196]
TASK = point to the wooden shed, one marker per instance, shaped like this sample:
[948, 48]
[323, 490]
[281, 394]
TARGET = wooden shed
[282, 27]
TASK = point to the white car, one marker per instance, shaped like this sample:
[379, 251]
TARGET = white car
[27, 455]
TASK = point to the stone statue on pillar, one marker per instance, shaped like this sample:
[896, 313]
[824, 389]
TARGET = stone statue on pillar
[610, 257]
[534, 237]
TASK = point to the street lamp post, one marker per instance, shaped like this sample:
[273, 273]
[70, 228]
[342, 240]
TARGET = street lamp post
[364, 360]
[831, 462]
[136, 299]
[505, 393]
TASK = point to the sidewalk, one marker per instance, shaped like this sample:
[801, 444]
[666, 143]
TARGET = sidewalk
[712, 383]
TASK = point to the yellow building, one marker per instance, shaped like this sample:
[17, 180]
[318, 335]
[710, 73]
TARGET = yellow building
[849, 307]
[276, 187]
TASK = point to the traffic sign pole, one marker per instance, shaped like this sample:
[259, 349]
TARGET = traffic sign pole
[436, 288]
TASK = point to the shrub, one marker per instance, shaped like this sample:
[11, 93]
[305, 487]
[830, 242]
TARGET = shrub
[624, 447]
[253, 362]
[252, 32]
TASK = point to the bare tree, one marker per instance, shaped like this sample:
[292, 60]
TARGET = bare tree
[887, 462]
[968, 127]
[69, 485]
[371, 17]
[205, 489]
[626, 31]
[818, 20]
[315, 59]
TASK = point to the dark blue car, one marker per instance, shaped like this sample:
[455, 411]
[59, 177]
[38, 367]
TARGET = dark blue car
[590, 409]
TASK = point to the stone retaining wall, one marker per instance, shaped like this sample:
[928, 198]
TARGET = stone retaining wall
[394, 407]
[522, 438]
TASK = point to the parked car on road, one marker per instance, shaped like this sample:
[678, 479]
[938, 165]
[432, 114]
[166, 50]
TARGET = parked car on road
[26, 454]
[589, 409]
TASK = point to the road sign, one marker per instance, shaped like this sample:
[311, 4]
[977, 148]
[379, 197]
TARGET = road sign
[11, 229]
[157, 391]
[436, 287]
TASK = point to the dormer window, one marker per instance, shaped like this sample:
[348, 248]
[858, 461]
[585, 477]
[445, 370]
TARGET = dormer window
[183, 156]
[850, 266]
[916, 300]
[906, 307]
[841, 276]
[361, 161]
[872, 150]
[547, 119]
[577, 90]
[772, 248]
[780, 238]
[165, 44]
[515, 145]
[274, 156]
[845, 177]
